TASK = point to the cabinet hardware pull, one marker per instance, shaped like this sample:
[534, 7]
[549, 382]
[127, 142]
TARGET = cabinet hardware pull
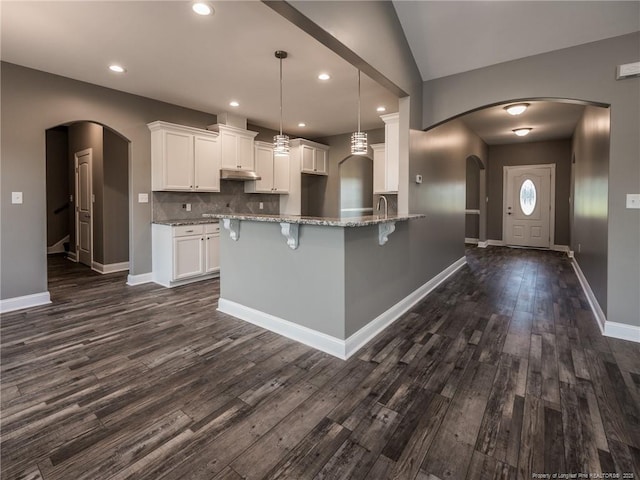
[189, 231]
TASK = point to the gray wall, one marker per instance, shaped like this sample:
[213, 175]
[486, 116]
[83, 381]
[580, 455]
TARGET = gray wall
[557, 152]
[472, 195]
[57, 184]
[590, 203]
[115, 197]
[439, 155]
[585, 72]
[33, 102]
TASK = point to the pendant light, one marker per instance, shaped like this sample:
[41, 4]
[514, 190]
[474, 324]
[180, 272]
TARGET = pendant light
[358, 139]
[281, 142]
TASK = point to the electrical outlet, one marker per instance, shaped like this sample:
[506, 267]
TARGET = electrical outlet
[16, 198]
[261, 205]
[143, 198]
[188, 207]
[633, 200]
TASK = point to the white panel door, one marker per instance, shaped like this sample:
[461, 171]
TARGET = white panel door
[207, 163]
[188, 256]
[527, 215]
[178, 161]
[84, 207]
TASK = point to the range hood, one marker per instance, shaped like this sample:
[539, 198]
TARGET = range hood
[240, 175]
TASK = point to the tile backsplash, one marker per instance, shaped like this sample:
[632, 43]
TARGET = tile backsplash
[230, 199]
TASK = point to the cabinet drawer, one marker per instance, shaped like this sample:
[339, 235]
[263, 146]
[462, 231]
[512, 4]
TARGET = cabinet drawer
[212, 228]
[184, 230]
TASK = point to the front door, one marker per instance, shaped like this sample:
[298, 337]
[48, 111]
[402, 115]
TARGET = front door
[84, 204]
[527, 205]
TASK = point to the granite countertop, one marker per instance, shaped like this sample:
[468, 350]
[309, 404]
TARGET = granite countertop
[323, 221]
[188, 221]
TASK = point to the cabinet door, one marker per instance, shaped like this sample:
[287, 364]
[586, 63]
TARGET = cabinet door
[321, 161]
[379, 169]
[281, 174]
[392, 156]
[207, 163]
[245, 153]
[308, 158]
[188, 256]
[177, 161]
[229, 150]
[212, 253]
[264, 168]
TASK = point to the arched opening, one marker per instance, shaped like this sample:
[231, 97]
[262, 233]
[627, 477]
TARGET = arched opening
[475, 200]
[87, 190]
[356, 186]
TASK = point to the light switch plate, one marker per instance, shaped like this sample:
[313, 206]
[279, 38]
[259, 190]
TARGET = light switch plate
[633, 200]
[16, 197]
[143, 198]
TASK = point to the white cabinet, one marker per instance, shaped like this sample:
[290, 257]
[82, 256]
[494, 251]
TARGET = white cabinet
[184, 158]
[314, 157]
[184, 254]
[305, 156]
[236, 147]
[273, 171]
[386, 165]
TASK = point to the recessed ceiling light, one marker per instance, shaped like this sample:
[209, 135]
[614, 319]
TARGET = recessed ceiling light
[516, 109]
[521, 132]
[202, 8]
[302, 124]
[233, 103]
[381, 109]
[324, 76]
[117, 68]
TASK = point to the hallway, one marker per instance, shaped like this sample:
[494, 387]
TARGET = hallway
[501, 372]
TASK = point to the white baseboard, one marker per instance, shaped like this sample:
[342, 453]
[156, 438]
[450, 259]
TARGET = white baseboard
[370, 330]
[483, 244]
[26, 301]
[133, 280]
[72, 256]
[562, 248]
[57, 247]
[495, 243]
[110, 267]
[622, 331]
[472, 241]
[593, 301]
[342, 349]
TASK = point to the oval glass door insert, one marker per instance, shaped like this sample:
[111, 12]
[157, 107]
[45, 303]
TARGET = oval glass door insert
[528, 197]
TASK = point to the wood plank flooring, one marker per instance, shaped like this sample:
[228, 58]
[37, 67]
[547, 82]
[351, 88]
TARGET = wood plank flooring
[501, 373]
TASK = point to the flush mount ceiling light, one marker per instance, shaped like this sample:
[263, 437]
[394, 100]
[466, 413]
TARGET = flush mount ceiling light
[381, 109]
[324, 76]
[117, 68]
[302, 124]
[202, 8]
[521, 132]
[281, 142]
[358, 139]
[516, 109]
[233, 103]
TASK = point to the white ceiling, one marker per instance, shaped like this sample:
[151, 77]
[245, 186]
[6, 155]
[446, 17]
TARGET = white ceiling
[448, 37]
[202, 63]
[178, 57]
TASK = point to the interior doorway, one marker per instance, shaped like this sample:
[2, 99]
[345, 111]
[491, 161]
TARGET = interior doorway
[356, 186]
[529, 200]
[87, 186]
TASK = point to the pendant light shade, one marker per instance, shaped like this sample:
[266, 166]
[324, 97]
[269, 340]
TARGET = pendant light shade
[358, 139]
[281, 142]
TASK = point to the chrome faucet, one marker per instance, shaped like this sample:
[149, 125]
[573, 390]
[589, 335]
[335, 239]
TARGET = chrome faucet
[386, 205]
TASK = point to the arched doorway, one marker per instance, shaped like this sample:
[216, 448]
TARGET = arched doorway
[356, 186]
[87, 188]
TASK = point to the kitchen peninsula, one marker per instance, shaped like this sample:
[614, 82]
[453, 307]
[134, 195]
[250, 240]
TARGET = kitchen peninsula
[332, 283]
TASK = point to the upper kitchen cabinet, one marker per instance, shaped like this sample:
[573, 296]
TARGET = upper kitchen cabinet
[273, 171]
[386, 161]
[313, 156]
[236, 147]
[184, 158]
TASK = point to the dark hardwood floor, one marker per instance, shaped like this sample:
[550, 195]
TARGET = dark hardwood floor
[500, 373]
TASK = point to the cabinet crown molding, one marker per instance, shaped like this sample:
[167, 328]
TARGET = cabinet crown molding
[161, 125]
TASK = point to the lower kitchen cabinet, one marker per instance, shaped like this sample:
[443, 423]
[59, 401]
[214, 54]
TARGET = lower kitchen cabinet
[186, 253]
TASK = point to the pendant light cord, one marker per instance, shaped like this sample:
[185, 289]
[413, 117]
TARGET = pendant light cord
[280, 95]
[358, 100]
